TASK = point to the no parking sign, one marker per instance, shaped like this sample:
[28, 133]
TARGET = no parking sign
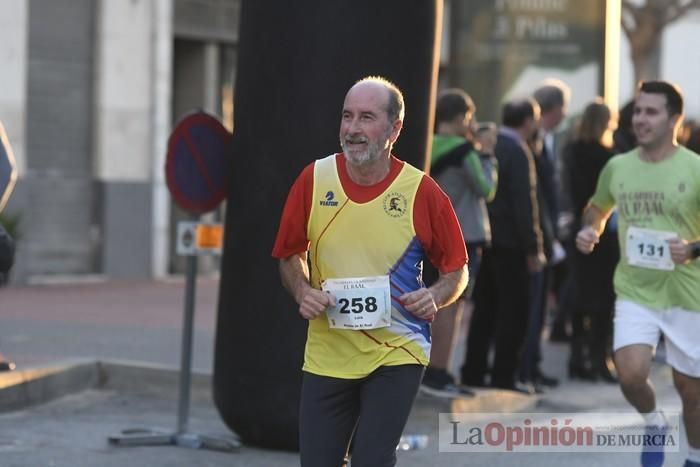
[196, 169]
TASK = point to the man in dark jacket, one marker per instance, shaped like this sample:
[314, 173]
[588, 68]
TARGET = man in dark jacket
[502, 290]
[553, 98]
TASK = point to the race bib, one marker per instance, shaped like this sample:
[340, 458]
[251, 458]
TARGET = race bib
[647, 248]
[360, 302]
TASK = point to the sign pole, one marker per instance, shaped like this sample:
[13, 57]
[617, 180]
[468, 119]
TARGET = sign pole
[186, 350]
[196, 164]
[181, 437]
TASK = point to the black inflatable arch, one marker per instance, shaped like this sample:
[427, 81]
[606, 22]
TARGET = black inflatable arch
[297, 59]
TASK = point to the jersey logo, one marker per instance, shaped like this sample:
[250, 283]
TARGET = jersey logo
[395, 204]
[329, 201]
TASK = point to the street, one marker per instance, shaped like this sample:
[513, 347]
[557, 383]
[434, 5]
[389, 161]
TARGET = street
[140, 322]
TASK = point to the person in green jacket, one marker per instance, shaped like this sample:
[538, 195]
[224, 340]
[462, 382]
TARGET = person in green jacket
[463, 165]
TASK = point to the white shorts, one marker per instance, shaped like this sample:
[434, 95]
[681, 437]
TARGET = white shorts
[638, 324]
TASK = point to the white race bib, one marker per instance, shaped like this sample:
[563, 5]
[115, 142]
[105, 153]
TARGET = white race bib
[360, 302]
[647, 248]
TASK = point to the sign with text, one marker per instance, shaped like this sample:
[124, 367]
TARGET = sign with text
[195, 238]
[556, 432]
[505, 48]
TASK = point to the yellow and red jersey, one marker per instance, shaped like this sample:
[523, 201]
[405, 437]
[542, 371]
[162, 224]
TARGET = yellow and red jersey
[353, 230]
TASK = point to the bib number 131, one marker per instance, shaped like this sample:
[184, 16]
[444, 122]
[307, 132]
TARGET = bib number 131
[647, 248]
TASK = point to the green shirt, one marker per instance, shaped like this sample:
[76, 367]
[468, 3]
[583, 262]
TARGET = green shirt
[661, 196]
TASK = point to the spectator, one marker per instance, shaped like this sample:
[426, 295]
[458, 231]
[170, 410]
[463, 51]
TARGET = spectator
[553, 98]
[593, 294]
[468, 178]
[502, 289]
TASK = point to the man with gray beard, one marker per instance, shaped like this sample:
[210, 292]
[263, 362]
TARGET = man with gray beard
[354, 232]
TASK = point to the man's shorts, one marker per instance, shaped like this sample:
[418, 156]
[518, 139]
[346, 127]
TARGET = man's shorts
[638, 324]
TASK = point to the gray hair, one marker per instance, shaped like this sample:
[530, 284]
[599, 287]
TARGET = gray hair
[551, 94]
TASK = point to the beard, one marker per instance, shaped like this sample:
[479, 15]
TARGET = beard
[371, 153]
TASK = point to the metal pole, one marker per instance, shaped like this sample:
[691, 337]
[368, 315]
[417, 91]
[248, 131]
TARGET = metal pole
[155, 437]
[186, 352]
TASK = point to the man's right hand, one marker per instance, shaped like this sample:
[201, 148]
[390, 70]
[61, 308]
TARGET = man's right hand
[313, 302]
[586, 239]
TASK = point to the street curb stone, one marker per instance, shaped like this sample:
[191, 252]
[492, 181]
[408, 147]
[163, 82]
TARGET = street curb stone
[25, 388]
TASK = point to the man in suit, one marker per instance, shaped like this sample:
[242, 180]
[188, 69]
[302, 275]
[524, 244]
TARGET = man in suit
[553, 98]
[502, 290]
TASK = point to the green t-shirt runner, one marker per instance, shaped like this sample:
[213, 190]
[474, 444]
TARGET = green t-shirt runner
[654, 201]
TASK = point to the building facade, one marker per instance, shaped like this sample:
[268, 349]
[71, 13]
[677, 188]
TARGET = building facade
[89, 93]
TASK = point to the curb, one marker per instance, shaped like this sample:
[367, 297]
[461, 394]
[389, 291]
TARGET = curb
[25, 388]
[484, 401]
[495, 401]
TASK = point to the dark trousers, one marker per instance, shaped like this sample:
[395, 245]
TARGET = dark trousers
[532, 350]
[375, 407]
[500, 318]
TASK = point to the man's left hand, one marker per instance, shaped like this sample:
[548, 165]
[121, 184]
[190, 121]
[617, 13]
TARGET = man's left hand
[420, 302]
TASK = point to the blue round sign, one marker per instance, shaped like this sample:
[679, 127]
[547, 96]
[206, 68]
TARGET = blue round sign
[196, 168]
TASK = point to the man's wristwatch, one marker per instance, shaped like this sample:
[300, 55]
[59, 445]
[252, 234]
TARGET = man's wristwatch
[695, 250]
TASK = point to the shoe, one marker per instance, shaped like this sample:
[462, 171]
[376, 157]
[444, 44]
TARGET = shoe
[533, 386]
[447, 391]
[439, 383]
[653, 456]
[581, 372]
[7, 366]
[474, 383]
[541, 379]
[523, 388]
[689, 463]
[606, 374]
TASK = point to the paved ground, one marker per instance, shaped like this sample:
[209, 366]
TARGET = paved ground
[141, 322]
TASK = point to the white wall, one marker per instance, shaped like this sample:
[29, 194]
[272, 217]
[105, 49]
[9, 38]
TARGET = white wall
[123, 91]
[13, 79]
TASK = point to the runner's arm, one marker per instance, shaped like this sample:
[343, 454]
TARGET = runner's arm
[593, 222]
[425, 302]
[294, 272]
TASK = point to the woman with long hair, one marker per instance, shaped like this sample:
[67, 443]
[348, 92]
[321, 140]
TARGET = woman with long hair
[594, 297]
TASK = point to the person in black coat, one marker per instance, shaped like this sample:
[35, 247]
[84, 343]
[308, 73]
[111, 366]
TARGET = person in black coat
[7, 256]
[502, 288]
[594, 296]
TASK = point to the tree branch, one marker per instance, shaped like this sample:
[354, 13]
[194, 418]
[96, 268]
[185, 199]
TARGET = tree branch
[679, 11]
[629, 17]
